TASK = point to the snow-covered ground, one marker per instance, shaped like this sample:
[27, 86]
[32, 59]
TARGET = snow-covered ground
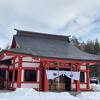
[31, 94]
[95, 87]
[94, 95]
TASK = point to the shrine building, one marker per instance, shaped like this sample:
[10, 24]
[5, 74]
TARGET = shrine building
[45, 62]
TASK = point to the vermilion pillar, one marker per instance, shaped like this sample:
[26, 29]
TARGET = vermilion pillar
[8, 83]
[78, 81]
[88, 76]
[77, 85]
[46, 84]
[13, 75]
[19, 72]
[41, 77]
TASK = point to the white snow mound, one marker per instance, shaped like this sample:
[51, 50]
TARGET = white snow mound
[30, 94]
[95, 87]
[93, 95]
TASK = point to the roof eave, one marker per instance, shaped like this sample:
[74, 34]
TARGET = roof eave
[29, 54]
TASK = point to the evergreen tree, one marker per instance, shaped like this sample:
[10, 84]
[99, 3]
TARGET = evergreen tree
[92, 47]
[75, 41]
[96, 47]
[89, 47]
[82, 46]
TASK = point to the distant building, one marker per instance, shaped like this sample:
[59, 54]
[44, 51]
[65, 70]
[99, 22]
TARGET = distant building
[45, 62]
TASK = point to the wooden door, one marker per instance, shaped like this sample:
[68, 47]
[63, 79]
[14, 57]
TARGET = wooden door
[63, 85]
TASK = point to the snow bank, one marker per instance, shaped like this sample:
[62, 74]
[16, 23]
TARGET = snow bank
[89, 96]
[95, 87]
[30, 94]
[94, 95]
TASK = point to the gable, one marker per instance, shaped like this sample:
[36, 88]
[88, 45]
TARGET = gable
[14, 43]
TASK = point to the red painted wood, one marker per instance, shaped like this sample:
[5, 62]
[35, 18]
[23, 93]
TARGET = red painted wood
[8, 78]
[29, 82]
[47, 63]
[41, 78]
[69, 61]
[78, 82]
[9, 53]
[87, 76]
[19, 72]
[13, 74]
[30, 68]
[46, 84]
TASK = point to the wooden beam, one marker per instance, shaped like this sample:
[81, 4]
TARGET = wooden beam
[87, 76]
[19, 72]
[13, 75]
[46, 83]
[78, 81]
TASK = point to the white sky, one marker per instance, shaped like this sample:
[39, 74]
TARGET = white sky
[68, 17]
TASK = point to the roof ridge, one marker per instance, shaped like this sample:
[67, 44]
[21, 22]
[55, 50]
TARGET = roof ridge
[39, 34]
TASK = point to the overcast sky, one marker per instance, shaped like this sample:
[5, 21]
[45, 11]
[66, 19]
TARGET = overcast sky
[80, 18]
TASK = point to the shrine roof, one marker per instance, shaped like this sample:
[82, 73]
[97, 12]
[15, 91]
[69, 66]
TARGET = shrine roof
[50, 46]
